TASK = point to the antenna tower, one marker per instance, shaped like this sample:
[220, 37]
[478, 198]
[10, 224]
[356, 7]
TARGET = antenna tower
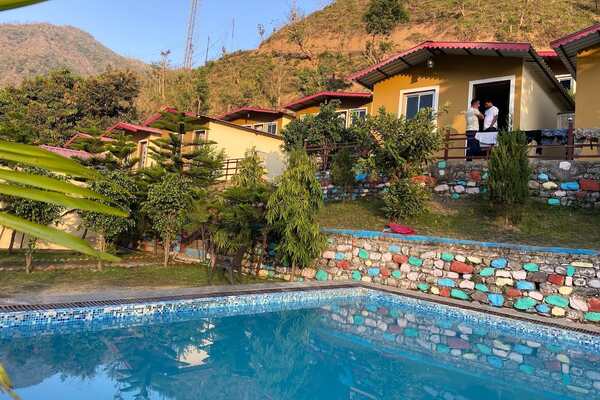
[189, 45]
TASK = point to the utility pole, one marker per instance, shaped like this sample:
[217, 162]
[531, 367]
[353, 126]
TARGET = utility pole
[189, 45]
[207, 49]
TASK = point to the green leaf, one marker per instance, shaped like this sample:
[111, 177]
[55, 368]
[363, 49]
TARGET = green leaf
[61, 200]
[53, 235]
[9, 4]
[47, 183]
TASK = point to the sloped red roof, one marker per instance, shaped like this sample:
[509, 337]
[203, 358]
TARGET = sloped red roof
[418, 55]
[69, 153]
[547, 53]
[156, 116]
[81, 135]
[569, 46]
[133, 128]
[244, 111]
[318, 98]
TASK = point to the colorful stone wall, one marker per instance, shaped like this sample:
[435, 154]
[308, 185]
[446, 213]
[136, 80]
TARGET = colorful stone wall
[364, 187]
[552, 282]
[566, 183]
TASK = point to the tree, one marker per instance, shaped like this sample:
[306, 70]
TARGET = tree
[167, 205]
[342, 172]
[292, 211]
[120, 190]
[241, 218]
[34, 211]
[380, 18]
[509, 173]
[120, 149]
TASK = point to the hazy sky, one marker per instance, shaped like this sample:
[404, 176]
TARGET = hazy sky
[143, 28]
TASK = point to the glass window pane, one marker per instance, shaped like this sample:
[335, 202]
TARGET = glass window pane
[358, 115]
[412, 106]
[566, 83]
[426, 101]
[272, 128]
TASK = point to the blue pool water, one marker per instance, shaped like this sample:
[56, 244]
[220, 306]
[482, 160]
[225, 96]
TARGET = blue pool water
[352, 345]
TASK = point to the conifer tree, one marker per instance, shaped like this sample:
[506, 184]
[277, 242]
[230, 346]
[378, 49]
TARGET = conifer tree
[292, 212]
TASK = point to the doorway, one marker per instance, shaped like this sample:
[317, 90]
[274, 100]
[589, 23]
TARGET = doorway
[501, 92]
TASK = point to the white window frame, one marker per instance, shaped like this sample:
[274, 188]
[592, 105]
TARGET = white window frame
[352, 110]
[511, 107]
[269, 124]
[564, 77]
[197, 133]
[143, 155]
[407, 92]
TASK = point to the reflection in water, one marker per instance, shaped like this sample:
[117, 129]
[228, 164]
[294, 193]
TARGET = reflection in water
[372, 350]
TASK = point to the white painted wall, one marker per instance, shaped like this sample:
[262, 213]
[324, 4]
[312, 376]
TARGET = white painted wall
[540, 101]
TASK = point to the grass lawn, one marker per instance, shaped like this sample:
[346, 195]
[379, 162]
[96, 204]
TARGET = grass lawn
[82, 280]
[476, 220]
[45, 257]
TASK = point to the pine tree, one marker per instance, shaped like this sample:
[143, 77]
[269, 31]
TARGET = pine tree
[292, 212]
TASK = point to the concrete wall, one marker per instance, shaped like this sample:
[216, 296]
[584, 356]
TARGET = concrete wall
[587, 114]
[539, 109]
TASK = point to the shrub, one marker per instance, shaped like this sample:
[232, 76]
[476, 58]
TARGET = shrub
[342, 173]
[404, 199]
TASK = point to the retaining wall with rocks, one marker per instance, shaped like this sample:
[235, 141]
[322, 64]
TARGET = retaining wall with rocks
[553, 282]
[566, 183]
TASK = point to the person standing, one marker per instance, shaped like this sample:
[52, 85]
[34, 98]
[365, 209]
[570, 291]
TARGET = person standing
[490, 120]
[473, 116]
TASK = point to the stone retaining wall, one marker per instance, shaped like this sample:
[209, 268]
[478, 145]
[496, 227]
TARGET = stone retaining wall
[559, 283]
[566, 183]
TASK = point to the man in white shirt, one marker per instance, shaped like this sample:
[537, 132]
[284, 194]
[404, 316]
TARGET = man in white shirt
[473, 116]
[490, 121]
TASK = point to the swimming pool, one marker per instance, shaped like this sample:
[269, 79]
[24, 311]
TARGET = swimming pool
[345, 343]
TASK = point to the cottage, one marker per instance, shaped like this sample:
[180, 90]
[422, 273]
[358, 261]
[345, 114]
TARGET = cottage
[262, 119]
[353, 105]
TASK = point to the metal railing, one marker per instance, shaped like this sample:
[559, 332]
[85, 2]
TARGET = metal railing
[230, 168]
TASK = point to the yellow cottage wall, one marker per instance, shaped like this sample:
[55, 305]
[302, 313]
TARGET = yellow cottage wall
[587, 113]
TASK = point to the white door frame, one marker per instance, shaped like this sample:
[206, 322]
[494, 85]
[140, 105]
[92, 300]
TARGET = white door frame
[511, 107]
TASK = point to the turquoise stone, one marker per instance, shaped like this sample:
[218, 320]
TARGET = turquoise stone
[396, 274]
[522, 349]
[556, 300]
[481, 287]
[527, 369]
[442, 164]
[423, 287]
[394, 313]
[496, 299]
[500, 263]
[459, 294]
[446, 282]
[495, 362]
[485, 272]
[340, 256]
[455, 196]
[525, 285]
[592, 316]
[531, 267]
[389, 337]
[358, 320]
[554, 202]
[411, 332]
[485, 175]
[356, 276]
[372, 272]
[415, 261]
[483, 349]
[570, 270]
[371, 308]
[543, 177]
[447, 257]
[394, 249]
[569, 186]
[321, 275]
[442, 348]
[362, 253]
[543, 308]
[524, 303]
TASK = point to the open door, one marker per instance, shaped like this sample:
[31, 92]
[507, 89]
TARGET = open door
[499, 92]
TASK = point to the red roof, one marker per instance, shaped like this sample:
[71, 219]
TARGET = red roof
[156, 116]
[244, 111]
[569, 46]
[85, 136]
[132, 128]
[67, 152]
[318, 98]
[547, 53]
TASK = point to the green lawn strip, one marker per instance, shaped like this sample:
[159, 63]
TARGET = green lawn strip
[12, 283]
[477, 220]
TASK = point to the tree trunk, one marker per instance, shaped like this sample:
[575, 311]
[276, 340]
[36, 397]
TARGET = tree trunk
[293, 277]
[212, 264]
[29, 254]
[167, 247]
[101, 248]
[12, 242]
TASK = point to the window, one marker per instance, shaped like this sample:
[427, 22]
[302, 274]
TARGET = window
[343, 116]
[267, 127]
[272, 128]
[358, 114]
[199, 136]
[143, 153]
[416, 101]
[567, 81]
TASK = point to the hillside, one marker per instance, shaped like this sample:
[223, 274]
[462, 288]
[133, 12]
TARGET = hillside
[34, 49]
[280, 70]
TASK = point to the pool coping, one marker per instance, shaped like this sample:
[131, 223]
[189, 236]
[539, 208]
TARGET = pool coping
[158, 295]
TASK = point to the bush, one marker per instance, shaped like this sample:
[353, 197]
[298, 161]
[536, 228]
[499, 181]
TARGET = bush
[342, 173]
[509, 169]
[404, 199]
